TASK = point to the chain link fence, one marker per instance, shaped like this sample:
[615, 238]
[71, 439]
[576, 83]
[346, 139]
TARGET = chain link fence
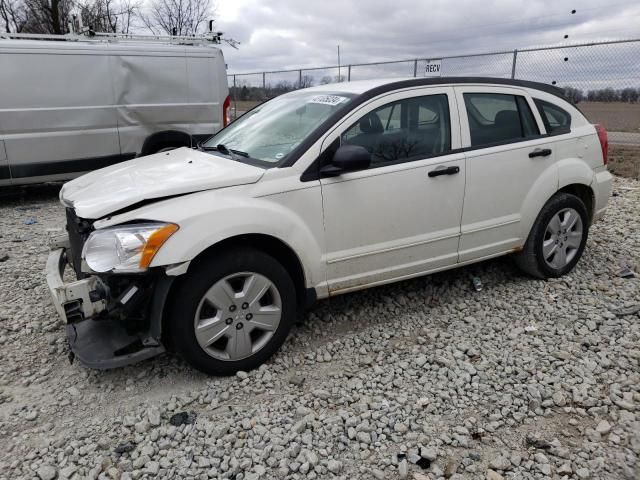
[602, 78]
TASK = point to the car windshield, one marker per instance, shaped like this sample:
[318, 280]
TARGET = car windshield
[271, 131]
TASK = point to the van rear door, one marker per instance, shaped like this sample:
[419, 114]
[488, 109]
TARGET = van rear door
[207, 90]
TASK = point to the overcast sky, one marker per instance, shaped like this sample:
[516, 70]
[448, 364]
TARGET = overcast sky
[279, 34]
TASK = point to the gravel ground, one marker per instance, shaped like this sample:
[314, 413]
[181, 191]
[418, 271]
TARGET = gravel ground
[422, 379]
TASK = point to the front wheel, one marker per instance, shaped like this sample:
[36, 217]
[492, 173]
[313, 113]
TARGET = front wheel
[232, 311]
[557, 239]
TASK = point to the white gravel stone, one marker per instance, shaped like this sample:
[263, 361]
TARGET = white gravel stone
[153, 415]
[603, 427]
[47, 472]
[334, 466]
[583, 473]
[403, 468]
[500, 463]
[429, 453]
[493, 475]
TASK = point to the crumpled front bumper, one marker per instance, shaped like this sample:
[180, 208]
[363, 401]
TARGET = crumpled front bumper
[97, 339]
[75, 300]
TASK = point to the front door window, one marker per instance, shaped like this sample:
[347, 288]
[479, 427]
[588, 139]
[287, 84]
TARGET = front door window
[409, 129]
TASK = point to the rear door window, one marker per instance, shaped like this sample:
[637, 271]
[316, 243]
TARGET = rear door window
[496, 118]
[555, 119]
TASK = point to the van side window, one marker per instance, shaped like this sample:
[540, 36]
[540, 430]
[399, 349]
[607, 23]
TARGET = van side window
[499, 118]
[555, 119]
[405, 130]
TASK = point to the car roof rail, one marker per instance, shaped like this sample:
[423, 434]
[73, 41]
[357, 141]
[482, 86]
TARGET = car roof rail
[102, 37]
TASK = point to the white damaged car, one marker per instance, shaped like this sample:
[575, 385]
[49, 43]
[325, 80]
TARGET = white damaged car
[214, 252]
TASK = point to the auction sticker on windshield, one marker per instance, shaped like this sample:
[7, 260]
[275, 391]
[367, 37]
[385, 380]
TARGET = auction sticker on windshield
[328, 99]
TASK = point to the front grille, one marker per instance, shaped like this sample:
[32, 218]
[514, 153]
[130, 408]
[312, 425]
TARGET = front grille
[78, 230]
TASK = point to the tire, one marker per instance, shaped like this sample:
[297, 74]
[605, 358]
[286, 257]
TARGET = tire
[241, 342]
[539, 258]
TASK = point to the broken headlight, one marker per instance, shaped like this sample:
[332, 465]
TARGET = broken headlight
[127, 248]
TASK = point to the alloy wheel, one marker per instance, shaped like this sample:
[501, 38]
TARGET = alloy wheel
[237, 316]
[562, 238]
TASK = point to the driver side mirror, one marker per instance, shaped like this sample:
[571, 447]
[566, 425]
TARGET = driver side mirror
[348, 158]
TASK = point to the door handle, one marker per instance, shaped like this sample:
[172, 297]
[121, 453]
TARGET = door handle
[444, 171]
[544, 152]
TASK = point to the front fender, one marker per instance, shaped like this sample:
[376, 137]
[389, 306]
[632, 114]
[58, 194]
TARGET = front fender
[207, 218]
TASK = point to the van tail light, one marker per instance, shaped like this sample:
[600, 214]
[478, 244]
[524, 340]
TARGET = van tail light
[226, 111]
[604, 142]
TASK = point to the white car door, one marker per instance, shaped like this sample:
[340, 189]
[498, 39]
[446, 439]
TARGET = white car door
[509, 160]
[400, 217]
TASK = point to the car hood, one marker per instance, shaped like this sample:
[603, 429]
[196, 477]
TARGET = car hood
[157, 176]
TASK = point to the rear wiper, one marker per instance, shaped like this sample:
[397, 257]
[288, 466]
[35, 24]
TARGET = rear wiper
[224, 150]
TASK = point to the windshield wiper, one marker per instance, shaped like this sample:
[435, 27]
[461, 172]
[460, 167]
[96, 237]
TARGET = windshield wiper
[224, 150]
[239, 152]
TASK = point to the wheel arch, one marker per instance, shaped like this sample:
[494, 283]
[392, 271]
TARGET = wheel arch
[584, 193]
[576, 177]
[165, 137]
[581, 190]
[569, 175]
[276, 248]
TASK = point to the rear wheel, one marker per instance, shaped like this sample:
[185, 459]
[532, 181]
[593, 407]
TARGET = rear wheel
[232, 311]
[557, 239]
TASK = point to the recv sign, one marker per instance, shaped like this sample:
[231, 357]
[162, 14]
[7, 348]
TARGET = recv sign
[433, 68]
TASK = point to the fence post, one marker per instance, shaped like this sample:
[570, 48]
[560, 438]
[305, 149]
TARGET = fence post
[235, 94]
[349, 74]
[513, 66]
[264, 82]
[300, 78]
[415, 68]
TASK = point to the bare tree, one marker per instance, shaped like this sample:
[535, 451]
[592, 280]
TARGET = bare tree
[13, 15]
[306, 81]
[116, 16]
[53, 16]
[47, 16]
[180, 17]
[574, 94]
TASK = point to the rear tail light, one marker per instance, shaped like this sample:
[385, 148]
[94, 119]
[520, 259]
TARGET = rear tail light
[604, 142]
[226, 111]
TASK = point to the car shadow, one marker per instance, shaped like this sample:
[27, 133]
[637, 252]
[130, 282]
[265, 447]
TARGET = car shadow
[30, 193]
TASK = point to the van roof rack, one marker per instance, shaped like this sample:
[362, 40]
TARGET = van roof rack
[89, 35]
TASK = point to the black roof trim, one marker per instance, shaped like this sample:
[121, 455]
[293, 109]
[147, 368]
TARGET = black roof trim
[419, 82]
[412, 82]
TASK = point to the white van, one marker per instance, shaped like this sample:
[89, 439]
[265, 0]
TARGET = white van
[67, 107]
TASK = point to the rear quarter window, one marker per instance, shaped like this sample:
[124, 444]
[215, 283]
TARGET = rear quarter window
[555, 119]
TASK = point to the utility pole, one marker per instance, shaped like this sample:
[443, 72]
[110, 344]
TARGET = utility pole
[339, 76]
